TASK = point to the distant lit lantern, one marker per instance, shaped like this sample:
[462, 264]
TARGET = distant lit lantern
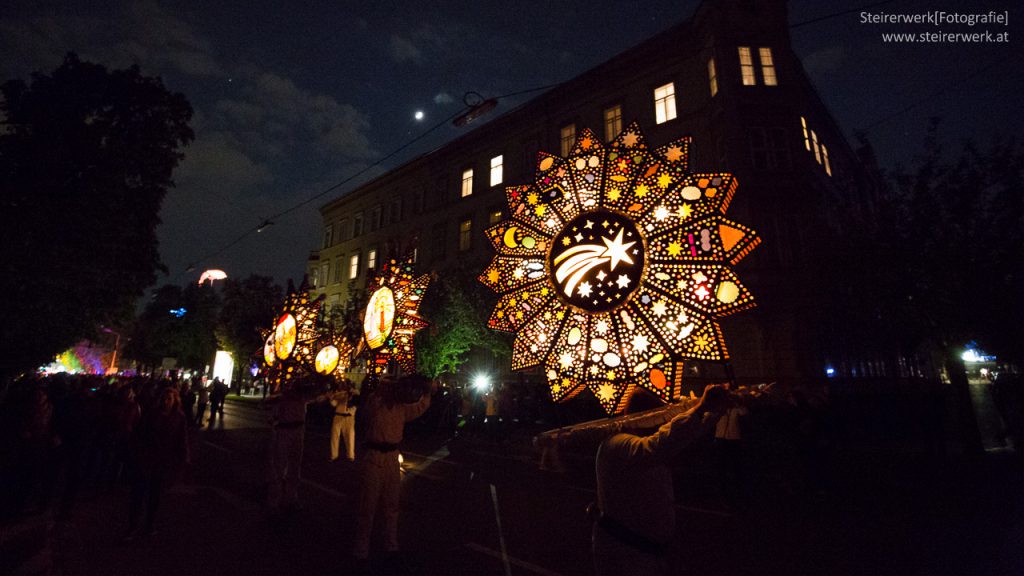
[284, 336]
[392, 315]
[211, 275]
[615, 265]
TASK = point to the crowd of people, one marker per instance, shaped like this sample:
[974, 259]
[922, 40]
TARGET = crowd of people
[63, 433]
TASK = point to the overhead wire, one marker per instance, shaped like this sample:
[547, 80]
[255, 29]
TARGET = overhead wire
[270, 220]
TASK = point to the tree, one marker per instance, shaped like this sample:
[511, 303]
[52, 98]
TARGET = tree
[177, 323]
[943, 266]
[86, 157]
[457, 312]
[248, 306]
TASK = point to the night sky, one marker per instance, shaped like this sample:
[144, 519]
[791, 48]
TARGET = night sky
[291, 98]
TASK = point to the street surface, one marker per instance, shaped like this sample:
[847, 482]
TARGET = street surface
[474, 507]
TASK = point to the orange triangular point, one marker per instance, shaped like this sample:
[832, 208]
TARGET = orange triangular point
[730, 236]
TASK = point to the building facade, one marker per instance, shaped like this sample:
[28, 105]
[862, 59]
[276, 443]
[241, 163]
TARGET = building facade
[728, 78]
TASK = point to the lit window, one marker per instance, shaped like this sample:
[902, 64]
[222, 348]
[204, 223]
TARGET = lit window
[568, 138]
[495, 216]
[353, 266]
[712, 77]
[467, 182]
[612, 122]
[415, 255]
[768, 67]
[371, 259]
[497, 170]
[814, 142]
[665, 103]
[328, 235]
[824, 157]
[807, 137]
[465, 235]
[357, 225]
[747, 66]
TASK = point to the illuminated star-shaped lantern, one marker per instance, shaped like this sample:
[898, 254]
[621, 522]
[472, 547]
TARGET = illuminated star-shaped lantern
[615, 266]
[288, 349]
[392, 316]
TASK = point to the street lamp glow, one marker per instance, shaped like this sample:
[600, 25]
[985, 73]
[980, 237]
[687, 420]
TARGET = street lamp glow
[481, 381]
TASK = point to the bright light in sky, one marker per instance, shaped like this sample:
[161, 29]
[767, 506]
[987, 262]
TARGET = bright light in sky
[418, 115]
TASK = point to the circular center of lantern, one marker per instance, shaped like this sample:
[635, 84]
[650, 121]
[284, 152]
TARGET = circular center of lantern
[284, 336]
[597, 260]
[327, 359]
[379, 318]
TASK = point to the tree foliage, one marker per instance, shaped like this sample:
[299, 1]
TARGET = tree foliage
[960, 251]
[86, 157]
[457, 311]
[188, 337]
[247, 306]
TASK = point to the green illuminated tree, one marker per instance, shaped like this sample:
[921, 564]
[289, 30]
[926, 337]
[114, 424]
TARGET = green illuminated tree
[457, 312]
[86, 157]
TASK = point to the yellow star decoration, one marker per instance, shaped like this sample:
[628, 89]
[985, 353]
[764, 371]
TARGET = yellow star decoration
[627, 272]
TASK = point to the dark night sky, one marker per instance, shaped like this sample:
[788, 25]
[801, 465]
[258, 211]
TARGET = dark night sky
[291, 98]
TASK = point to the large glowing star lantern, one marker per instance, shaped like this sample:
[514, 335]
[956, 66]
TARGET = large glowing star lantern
[289, 349]
[392, 316]
[615, 267]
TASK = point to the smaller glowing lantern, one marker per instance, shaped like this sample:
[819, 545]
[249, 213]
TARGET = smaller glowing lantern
[327, 359]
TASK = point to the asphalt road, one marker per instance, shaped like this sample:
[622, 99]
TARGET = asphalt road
[472, 507]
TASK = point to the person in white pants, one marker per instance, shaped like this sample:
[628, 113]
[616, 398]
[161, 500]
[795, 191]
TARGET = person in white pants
[344, 422]
[387, 411]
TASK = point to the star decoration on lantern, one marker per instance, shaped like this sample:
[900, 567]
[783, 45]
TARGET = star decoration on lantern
[392, 316]
[615, 266]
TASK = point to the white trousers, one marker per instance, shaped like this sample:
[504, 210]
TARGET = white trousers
[344, 425]
[381, 480]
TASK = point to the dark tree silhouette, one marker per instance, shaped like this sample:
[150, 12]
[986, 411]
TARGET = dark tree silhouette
[187, 336]
[247, 306]
[86, 156]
